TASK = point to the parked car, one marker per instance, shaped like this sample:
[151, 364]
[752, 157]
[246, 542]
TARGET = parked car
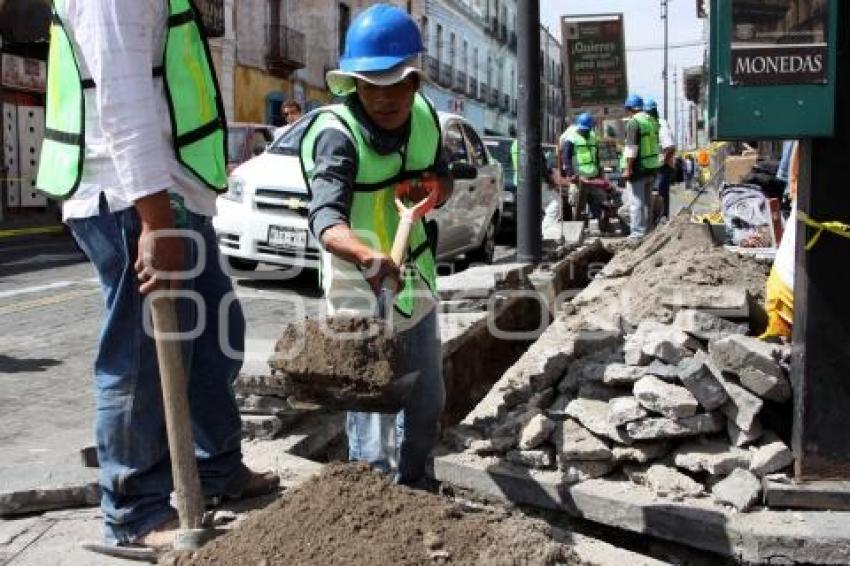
[500, 148]
[263, 215]
[244, 141]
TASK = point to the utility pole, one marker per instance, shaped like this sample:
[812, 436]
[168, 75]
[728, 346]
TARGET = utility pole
[676, 106]
[529, 236]
[664, 72]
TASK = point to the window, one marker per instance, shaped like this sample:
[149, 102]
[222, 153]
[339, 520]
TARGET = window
[439, 47]
[453, 144]
[465, 63]
[344, 21]
[479, 154]
[452, 49]
[475, 62]
[425, 37]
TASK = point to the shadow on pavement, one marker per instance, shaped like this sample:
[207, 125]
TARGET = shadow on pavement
[9, 364]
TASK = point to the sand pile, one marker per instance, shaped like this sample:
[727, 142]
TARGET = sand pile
[351, 515]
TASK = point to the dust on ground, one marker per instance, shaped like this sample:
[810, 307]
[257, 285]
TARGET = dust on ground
[677, 252]
[352, 515]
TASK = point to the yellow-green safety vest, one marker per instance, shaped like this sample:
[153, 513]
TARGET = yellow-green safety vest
[373, 208]
[515, 161]
[648, 150]
[198, 127]
[585, 152]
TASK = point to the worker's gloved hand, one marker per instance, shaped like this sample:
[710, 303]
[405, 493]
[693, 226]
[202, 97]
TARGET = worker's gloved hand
[157, 255]
[377, 269]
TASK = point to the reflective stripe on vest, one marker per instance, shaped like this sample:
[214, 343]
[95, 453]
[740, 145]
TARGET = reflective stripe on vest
[584, 155]
[195, 107]
[373, 212]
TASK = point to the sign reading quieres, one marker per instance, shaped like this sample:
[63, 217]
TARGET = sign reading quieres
[594, 49]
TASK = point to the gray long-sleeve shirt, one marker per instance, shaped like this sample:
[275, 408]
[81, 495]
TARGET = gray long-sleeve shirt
[332, 184]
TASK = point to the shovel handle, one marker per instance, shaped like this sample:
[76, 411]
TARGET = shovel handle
[175, 400]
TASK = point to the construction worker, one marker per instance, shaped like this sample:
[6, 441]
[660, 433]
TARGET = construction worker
[579, 163]
[640, 164]
[667, 144]
[354, 154]
[134, 150]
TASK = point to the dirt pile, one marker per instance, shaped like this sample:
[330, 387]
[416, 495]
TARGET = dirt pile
[351, 515]
[679, 254]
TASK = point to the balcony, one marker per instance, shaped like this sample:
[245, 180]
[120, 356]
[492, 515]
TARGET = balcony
[460, 82]
[432, 68]
[493, 102]
[503, 33]
[212, 16]
[286, 50]
[473, 88]
[483, 93]
[446, 75]
[512, 42]
[506, 102]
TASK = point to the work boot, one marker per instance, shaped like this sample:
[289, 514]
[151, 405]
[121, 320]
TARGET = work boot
[247, 483]
[160, 538]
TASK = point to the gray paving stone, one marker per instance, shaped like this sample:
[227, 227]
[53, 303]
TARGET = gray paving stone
[622, 374]
[535, 432]
[726, 301]
[660, 428]
[714, 457]
[771, 457]
[736, 353]
[593, 415]
[667, 372]
[740, 437]
[574, 442]
[640, 452]
[670, 400]
[706, 326]
[664, 481]
[765, 385]
[741, 489]
[540, 458]
[622, 410]
[575, 471]
[702, 383]
[742, 406]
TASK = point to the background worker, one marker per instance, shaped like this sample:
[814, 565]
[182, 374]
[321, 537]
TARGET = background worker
[667, 144]
[580, 163]
[109, 153]
[640, 163]
[291, 112]
[354, 154]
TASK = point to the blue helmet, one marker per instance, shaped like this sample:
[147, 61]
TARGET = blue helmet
[634, 101]
[380, 38]
[650, 105]
[584, 121]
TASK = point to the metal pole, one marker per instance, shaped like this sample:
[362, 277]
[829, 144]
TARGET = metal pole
[664, 72]
[676, 106]
[529, 236]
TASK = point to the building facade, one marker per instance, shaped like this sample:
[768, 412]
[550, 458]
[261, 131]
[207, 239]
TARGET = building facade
[552, 89]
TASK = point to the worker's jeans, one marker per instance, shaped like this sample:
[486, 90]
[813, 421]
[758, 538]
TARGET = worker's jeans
[639, 205]
[402, 443]
[135, 469]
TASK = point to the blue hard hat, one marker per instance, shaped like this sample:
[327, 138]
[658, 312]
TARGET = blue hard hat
[634, 101]
[380, 38]
[650, 105]
[585, 121]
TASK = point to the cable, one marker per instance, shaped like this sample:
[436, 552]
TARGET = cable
[671, 46]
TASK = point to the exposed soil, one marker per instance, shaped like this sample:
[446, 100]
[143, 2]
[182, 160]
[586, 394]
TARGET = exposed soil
[678, 252]
[352, 515]
[347, 353]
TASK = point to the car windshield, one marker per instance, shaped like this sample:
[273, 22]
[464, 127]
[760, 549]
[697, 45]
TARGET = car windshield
[235, 143]
[501, 151]
[289, 142]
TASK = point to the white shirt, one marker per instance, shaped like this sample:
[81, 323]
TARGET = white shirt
[665, 135]
[129, 152]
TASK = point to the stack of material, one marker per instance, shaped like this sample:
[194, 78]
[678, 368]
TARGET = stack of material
[675, 406]
[264, 408]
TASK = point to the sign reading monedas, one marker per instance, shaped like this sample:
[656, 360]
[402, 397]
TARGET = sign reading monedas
[594, 49]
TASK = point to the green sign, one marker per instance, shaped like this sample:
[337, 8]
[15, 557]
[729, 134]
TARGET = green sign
[594, 49]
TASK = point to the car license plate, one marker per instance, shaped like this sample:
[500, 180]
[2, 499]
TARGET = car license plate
[285, 237]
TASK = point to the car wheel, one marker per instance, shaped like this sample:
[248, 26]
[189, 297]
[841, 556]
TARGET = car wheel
[242, 264]
[485, 253]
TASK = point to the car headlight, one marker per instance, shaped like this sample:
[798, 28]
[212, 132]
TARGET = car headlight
[235, 189]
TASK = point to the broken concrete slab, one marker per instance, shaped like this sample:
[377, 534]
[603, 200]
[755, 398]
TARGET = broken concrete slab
[741, 489]
[571, 233]
[541, 459]
[593, 415]
[575, 471]
[34, 488]
[558, 409]
[742, 406]
[726, 301]
[660, 428]
[634, 354]
[664, 481]
[460, 437]
[492, 445]
[736, 353]
[706, 326]
[667, 372]
[542, 399]
[765, 385]
[481, 281]
[582, 371]
[599, 391]
[670, 400]
[714, 457]
[757, 537]
[621, 374]
[741, 438]
[574, 442]
[825, 495]
[702, 383]
[622, 410]
[640, 452]
[771, 457]
[263, 427]
[535, 432]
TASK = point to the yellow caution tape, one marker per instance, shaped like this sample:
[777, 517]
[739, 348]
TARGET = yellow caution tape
[832, 226]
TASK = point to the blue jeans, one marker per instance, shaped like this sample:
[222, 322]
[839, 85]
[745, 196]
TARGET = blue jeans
[665, 175]
[404, 441]
[639, 205]
[135, 469]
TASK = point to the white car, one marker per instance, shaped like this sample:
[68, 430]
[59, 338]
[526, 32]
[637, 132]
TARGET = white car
[263, 216]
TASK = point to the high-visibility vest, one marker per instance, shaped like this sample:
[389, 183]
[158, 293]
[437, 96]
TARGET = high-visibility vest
[198, 127]
[585, 152]
[649, 158]
[373, 211]
[515, 161]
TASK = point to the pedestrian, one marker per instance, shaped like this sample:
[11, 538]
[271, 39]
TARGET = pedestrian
[667, 145]
[354, 154]
[640, 163]
[580, 164]
[291, 111]
[690, 170]
[134, 151]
